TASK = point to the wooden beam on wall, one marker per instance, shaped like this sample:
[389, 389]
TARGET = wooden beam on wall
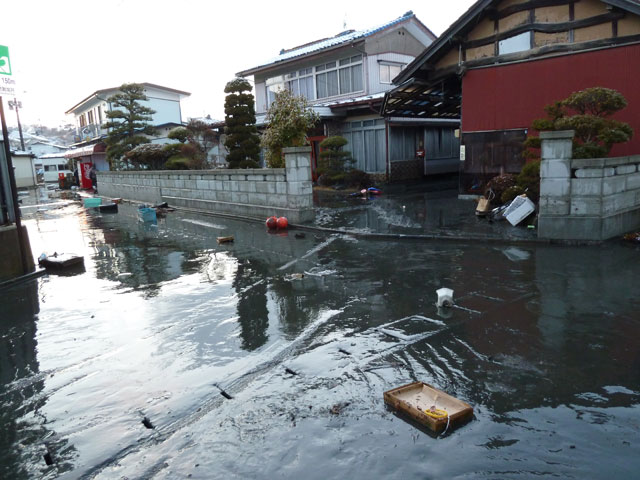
[546, 28]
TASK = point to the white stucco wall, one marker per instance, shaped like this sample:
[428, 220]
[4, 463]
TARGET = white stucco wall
[24, 171]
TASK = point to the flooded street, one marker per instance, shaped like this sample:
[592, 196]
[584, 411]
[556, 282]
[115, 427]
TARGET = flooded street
[174, 357]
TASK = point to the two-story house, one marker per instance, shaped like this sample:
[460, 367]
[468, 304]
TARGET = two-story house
[344, 79]
[503, 60]
[90, 115]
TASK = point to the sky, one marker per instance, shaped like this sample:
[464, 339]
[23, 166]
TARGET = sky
[63, 51]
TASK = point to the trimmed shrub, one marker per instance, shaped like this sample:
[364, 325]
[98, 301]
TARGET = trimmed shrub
[499, 185]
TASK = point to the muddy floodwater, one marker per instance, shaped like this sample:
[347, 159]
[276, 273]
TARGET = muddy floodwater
[174, 357]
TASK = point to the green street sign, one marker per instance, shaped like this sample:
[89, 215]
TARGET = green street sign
[5, 64]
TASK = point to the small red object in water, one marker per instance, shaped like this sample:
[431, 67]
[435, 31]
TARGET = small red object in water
[272, 222]
[283, 222]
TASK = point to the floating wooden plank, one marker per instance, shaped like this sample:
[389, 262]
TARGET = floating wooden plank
[228, 239]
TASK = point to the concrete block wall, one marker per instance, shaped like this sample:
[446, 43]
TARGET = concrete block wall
[586, 199]
[257, 193]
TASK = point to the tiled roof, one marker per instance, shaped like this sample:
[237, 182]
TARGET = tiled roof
[341, 38]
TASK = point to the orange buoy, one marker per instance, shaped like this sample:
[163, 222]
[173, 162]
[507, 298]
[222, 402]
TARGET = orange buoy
[283, 222]
[272, 222]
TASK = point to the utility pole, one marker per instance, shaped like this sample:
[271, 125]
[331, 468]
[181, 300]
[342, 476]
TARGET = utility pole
[17, 105]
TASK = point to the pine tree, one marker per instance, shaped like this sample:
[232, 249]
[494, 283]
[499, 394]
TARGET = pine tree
[242, 140]
[128, 123]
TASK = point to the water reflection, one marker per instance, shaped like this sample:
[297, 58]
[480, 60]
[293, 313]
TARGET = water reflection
[540, 342]
[24, 435]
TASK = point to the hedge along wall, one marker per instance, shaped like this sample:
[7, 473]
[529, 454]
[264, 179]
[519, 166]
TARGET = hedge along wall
[586, 199]
[257, 193]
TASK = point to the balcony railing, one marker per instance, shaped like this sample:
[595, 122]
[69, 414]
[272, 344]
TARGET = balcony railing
[90, 131]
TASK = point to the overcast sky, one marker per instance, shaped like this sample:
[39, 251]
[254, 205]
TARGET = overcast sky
[62, 51]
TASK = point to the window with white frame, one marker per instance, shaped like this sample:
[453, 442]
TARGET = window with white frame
[339, 78]
[326, 80]
[274, 85]
[389, 71]
[300, 83]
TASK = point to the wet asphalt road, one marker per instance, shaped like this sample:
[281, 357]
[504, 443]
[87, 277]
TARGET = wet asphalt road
[542, 342]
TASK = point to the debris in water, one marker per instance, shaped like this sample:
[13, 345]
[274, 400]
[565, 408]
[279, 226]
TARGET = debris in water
[48, 459]
[147, 423]
[294, 276]
[445, 297]
[289, 371]
[223, 393]
[338, 407]
[228, 239]
[300, 235]
[342, 350]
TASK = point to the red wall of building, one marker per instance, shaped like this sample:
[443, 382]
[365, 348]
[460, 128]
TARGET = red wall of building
[511, 96]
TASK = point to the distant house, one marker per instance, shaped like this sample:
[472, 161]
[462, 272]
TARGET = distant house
[344, 79]
[91, 115]
[503, 61]
[40, 147]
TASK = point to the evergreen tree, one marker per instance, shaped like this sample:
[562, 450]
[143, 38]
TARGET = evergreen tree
[242, 140]
[128, 122]
[288, 120]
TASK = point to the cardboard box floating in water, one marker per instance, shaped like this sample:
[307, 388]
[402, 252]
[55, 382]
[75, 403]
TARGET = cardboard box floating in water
[429, 406]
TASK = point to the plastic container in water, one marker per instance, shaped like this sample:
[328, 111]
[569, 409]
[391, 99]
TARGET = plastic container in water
[147, 214]
[92, 202]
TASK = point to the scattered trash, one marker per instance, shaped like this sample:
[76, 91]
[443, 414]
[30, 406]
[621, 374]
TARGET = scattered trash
[228, 239]
[498, 213]
[445, 297]
[147, 423]
[338, 407]
[289, 371]
[632, 237]
[226, 395]
[223, 393]
[516, 254]
[429, 406]
[92, 202]
[365, 192]
[484, 204]
[294, 276]
[146, 214]
[48, 459]
[300, 235]
[272, 222]
[162, 205]
[519, 209]
[342, 350]
[108, 208]
[60, 261]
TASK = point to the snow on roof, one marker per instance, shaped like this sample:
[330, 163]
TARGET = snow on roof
[344, 37]
[52, 155]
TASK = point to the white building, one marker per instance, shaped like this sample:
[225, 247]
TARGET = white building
[90, 116]
[344, 79]
[23, 169]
